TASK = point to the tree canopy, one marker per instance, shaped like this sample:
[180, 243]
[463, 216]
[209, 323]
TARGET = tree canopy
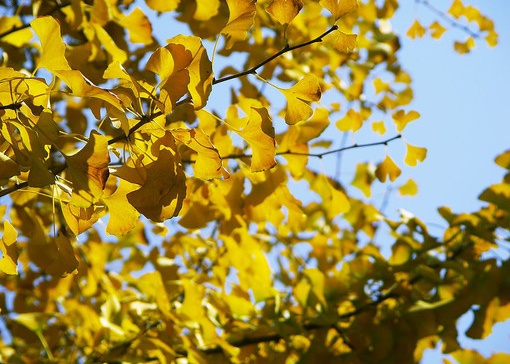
[163, 202]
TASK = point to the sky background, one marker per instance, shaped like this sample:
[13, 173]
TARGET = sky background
[464, 124]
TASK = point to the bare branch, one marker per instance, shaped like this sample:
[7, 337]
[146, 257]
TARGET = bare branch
[286, 49]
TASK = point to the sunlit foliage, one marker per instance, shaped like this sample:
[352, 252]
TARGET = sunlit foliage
[143, 222]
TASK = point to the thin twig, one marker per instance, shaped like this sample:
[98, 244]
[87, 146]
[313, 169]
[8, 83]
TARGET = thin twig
[285, 49]
[319, 155]
[450, 20]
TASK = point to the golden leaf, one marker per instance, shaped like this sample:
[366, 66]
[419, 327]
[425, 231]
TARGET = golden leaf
[464, 47]
[503, 160]
[240, 19]
[352, 121]
[379, 127]
[257, 130]
[456, 9]
[89, 170]
[163, 6]
[410, 188]
[163, 186]
[206, 9]
[387, 168]
[208, 163]
[123, 216]
[9, 260]
[363, 178]
[339, 8]
[284, 10]
[401, 119]
[8, 167]
[298, 96]
[414, 155]
[416, 30]
[436, 30]
[80, 219]
[20, 37]
[345, 43]
[52, 58]
[334, 200]
[138, 27]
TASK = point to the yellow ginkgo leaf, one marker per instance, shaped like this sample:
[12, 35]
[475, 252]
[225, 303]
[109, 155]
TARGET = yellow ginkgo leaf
[284, 10]
[416, 30]
[53, 47]
[387, 168]
[456, 9]
[503, 160]
[363, 178]
[257, 130]
[9, 260]
[334, 200]
[123, 216]
[8, 167]
[80, 219]
[298, 96]
[339, 8]
[163, 6]
[345, 43]
[379, 127]
[163, 184]
[410, 188]
[208, 163]
[138, 26]
[352, 121]
[89, 170]
[381, 86]
[20, 37]
[414, 155]
[436, 30]
[401, 118]
[240, 19]
[206, 9]
[464, 47]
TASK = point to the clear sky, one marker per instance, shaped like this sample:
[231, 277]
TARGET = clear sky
[464, 124]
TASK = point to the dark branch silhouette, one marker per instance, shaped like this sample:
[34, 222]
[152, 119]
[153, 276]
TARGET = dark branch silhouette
[286, 49]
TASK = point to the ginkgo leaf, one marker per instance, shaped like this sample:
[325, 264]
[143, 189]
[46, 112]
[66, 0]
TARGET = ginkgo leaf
[284, 10]
[379, 127]
[138, 26]
[298, 96]
[163, 6]
[410, 188]
[387, 168]
[208, 163]
[345, 43]
[363, 178]
[334, 200]
[416, 30]
[401, 253]
[339, 8]
[257, 130]
[123, 216]
[381, 86]
[163, 183]
[53, 47]
[464, 47]
[20, 37]
[414, 155]
[9, 260]
[206, 9]
[117, 54]
[352, 121]
[401, 118]
[436, 30]
[240, 19]
[8, 167]
[503, 160]
[89, 170]
[79, 219]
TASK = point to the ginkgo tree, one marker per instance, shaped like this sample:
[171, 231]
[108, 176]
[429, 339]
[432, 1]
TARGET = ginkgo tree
[142, 222]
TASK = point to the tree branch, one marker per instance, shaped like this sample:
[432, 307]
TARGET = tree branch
[454, 23]
[319, 155]
[24, 26]
[285, 49]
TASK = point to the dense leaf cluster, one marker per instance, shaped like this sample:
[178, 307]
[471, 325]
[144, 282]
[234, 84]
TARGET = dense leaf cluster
[142, 222]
